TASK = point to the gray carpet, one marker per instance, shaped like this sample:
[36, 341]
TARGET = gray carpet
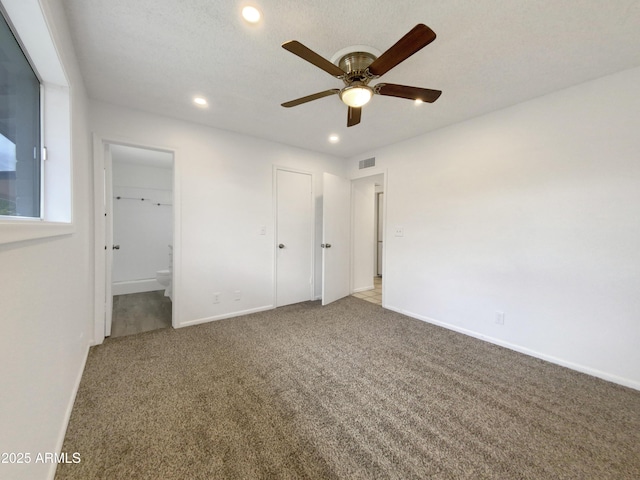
[349, 391]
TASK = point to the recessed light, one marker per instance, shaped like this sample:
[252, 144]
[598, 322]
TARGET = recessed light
[200, 101]
[334, 138]
[418, 101]
[251, 14]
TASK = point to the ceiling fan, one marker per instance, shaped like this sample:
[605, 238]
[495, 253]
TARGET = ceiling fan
[358, 68]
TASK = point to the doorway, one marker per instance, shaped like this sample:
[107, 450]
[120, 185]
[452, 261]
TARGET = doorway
[349, 222]
[368, 238]
[135, 224]
[142, 220]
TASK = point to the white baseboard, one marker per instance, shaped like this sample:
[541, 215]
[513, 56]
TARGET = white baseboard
[363, 289]
[527, 351]
[135, 286]
[190, 323]
[67, 414]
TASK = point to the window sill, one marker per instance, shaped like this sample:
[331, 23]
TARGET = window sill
[18, 231]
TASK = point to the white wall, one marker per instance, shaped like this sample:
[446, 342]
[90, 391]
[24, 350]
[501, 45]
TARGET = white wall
[46, 306]
[224, 195]
[534, 211]
[143, 229]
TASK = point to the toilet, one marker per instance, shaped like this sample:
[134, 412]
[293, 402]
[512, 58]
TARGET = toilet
[165, 277]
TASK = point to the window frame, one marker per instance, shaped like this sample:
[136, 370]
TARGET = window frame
[29, 22]
[41, 146]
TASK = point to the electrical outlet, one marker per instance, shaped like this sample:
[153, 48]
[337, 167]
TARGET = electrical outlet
[216, 297]
[500, 318]
[236, 295]
[399, 232]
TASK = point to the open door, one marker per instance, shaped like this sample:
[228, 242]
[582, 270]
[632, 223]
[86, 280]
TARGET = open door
[108, 218]
[336, 243]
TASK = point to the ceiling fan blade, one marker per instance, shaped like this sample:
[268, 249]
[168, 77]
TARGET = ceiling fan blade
[418, 37]
[309, 98]
[353, 117]
[310, 56]
[410, 93]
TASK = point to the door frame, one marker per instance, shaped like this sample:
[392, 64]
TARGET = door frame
[108, 237]
[275, 169]
[385, 187]
[379, 211]
[100, 215]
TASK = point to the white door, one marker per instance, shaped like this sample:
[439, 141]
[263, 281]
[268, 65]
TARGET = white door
[294, 237]
[108, 208]
[336, 227]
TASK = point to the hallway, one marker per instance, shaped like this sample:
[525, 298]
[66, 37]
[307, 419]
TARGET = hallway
[373, 296]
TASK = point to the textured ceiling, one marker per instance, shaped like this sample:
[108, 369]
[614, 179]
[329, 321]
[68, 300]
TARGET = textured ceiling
[155, 55]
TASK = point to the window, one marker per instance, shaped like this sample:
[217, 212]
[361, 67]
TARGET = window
[20, 120]
[36, 196]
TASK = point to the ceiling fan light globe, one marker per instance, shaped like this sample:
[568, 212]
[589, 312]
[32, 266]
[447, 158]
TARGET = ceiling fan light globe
[356, 96]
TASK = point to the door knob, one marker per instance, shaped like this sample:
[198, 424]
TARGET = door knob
[116, 247]
[281, 245]
[327, 245]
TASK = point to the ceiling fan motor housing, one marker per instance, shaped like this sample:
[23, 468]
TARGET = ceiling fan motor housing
[355, 65]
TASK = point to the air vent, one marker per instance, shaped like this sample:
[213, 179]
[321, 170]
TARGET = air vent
[368, 163]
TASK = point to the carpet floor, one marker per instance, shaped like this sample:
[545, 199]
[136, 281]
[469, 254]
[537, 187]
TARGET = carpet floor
[346, 391]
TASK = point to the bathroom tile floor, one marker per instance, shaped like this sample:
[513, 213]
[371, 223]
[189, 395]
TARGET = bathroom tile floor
[140, 312]
[373, 296]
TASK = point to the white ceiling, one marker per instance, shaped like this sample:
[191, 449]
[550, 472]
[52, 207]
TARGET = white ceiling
[155, 55]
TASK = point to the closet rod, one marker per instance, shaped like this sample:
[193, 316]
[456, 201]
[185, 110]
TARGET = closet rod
[143, 200]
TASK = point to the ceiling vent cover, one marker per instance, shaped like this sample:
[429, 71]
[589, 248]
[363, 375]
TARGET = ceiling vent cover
[368, 163]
